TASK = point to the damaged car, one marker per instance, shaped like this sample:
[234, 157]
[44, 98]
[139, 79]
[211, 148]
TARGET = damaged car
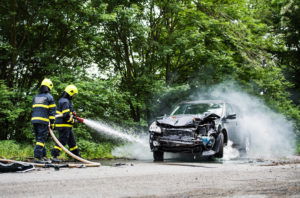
[198, 127]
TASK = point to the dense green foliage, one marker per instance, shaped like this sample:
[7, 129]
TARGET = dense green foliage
[131, 60]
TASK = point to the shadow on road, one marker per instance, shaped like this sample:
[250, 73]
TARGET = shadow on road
[185, 164]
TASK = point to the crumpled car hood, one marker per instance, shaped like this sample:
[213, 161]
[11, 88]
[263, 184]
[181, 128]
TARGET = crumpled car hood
[183, 120]
[178, 120]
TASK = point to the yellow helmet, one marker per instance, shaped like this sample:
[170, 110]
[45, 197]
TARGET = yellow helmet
[71, 90]
[48, 83]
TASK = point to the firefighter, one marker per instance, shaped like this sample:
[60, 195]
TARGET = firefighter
[43, 117]
[65, 120]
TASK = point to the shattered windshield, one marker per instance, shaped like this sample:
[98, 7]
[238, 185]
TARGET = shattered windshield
[201, 108]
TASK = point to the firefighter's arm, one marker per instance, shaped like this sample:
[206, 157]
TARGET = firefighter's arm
[52, 109]
[67, 114]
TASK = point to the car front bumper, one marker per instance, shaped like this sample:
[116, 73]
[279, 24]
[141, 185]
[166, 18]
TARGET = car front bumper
[171, 144]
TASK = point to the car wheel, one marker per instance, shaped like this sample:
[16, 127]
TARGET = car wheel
[158, 156]
[220, 141]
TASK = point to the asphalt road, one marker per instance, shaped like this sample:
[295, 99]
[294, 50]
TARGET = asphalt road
[240, 178]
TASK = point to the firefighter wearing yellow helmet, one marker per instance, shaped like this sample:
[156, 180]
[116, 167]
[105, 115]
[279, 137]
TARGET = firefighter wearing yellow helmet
[43, 115]
[71, 90]
[65, 121]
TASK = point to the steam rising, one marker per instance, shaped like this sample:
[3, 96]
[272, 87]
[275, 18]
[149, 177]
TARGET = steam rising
[230, 152]
[272, 135]
[134, 150]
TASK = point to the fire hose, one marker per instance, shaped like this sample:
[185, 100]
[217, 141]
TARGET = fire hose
[57, 166]
[87, 163]
[47, 165]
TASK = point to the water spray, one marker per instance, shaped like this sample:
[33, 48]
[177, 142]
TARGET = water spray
[135, 147]
[271, 133]
[107, 130]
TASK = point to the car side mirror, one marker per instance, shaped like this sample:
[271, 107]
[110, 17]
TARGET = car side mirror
[231, 116]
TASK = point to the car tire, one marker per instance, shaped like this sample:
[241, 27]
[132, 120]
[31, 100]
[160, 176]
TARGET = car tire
[220, 140]
[158, 156]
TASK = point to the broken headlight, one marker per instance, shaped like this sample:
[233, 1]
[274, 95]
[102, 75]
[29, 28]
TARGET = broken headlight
[154, 128]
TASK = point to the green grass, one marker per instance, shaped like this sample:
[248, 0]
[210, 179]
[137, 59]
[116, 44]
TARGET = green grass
[10, 149]
[298, 148]
[92, 150]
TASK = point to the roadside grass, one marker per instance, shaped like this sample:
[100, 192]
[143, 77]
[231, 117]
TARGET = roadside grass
[298, 148]
[92, 150]
[10, 149]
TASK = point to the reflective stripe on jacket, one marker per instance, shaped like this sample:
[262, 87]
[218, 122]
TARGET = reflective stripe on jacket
[43, 109]
[64, 116]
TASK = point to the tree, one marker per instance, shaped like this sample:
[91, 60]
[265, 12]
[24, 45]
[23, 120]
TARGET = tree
[290, 27]
[44, 38]
[41, 39]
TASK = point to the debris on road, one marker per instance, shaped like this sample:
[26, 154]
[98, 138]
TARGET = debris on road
[15, 167]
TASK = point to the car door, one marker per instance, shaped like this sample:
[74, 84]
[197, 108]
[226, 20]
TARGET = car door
[230, 121]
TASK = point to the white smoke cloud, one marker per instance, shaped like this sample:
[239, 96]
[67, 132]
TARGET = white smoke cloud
[134, 150]
[272, 135]
[230, 152]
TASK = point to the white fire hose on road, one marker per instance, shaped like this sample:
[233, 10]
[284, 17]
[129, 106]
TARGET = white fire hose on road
[48, 165]
[87, 163]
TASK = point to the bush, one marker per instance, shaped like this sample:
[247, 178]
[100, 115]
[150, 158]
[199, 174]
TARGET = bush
[13, 113]
[12, 150]
[92, 150]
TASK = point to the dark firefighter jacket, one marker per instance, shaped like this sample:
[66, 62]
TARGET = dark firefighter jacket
[43, 110]
[64, 117]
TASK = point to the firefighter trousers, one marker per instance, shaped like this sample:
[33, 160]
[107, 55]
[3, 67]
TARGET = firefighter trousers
[66, 136]
[41, 134]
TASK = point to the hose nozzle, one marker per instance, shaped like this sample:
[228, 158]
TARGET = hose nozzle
[79, 119]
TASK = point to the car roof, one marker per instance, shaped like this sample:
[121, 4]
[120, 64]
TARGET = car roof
[203, 102]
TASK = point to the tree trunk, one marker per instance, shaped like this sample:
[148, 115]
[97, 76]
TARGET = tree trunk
[13, 43]
[135, 112]
[168, 71]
